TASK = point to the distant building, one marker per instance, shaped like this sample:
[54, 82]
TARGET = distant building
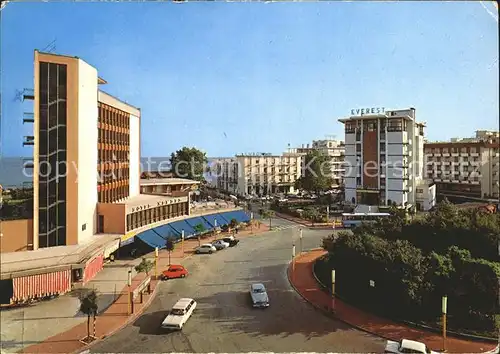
[258, 174]
[329, 147]
[384, 159]
[465, 167]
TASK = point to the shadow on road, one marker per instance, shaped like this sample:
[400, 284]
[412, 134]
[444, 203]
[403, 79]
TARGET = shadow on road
[150, 323]
[287, 314]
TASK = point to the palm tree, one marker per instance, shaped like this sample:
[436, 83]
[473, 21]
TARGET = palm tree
[169, 246]
[89, 307]
[199, 228]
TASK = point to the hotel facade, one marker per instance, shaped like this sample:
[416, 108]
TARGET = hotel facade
[257, 174]
[465, 167]
[333, 148]
[384, 159]
[86, 164]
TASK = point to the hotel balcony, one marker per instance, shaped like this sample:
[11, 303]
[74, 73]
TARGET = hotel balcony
[454, 154]
[28, 94]
[28, 117]
[474, 154]
[446, 154]
[464, 154]
[29, 140]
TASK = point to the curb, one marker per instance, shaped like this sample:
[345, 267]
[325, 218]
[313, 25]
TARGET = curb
[413, 324]
[323, 310]
[130, 319]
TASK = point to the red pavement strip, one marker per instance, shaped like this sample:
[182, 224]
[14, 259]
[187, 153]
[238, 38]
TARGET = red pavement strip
[302, 279]
[115, 317]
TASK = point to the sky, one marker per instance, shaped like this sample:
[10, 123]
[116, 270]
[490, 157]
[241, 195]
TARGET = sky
[233, 78]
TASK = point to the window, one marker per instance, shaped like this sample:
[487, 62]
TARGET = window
[84, 227]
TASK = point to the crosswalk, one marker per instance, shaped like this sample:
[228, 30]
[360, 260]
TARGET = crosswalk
[283, 227]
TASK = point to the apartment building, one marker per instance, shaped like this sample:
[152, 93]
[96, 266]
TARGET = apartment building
[465, 167]
[384, 160]
[258, 174]
[329, 147]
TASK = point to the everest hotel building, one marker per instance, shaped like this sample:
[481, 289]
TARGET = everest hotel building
[384, 159]
[80, 134]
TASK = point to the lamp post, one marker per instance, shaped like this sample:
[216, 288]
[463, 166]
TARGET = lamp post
[293, 261]
[444, 305]
[300, 240]
[182, 243]
[215, 227]
[156, 262]
[129, 283]
[333, 290]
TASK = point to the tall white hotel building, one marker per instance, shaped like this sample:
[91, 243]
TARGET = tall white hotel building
[384, 159]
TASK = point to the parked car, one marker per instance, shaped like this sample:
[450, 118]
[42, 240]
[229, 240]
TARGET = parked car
[206, 248]
[181, 312]
[407, 346]
[220, 244]
[174, 271]
[231, 240]
[259, 296]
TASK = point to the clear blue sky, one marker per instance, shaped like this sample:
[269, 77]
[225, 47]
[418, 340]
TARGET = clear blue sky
[241, 77]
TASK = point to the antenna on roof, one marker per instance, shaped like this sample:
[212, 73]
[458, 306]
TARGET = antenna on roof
[50, 48]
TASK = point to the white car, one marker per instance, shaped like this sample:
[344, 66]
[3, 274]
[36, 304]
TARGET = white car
[206, 248]
[407, 346]
[259, 296]
[220, 244]
[181, 312]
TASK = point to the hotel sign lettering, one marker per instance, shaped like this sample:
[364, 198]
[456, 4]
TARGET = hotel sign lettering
[363, 111]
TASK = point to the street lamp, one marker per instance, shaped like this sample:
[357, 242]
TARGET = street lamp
[444, 305]
[300, 239]
[333, 289]
[129, 283]
[156, 262]
[293, 260]
[182, 242]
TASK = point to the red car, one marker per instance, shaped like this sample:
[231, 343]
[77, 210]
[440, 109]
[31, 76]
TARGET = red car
[174, 271]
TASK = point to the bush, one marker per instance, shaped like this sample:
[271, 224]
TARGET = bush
[415, 263]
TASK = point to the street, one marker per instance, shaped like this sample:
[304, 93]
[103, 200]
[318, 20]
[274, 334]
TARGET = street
[224, 320]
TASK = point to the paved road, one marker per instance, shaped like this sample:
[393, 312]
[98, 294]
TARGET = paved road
[224, 320]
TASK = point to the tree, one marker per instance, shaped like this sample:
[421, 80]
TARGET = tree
[89, 307]
[189, 163]
[233, 224]
[199, 228]
[267, 214]
[316, 173]
[144, 267]
[169, 246]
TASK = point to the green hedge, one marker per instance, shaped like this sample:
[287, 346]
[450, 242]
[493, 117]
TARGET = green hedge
[451, 256]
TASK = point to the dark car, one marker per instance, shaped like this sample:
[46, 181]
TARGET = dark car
[231, 240]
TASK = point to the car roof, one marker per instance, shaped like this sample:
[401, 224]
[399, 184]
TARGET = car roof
[206, 245]
[182, 303]
[413, 345]
[258, 286]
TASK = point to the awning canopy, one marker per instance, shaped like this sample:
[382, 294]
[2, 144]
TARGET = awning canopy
[211, 219]
[151, 238]
[182, 225]
[238, 215]
[199, 220]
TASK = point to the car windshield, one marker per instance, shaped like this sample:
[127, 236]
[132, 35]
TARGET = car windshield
[258, 290]
[177, 312]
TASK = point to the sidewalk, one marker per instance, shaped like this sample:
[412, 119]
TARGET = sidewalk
[308, 223]
[115, 316]
[304, 282]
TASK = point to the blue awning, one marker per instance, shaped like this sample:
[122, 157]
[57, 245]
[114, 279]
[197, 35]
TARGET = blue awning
[152, 239]
[167, 231]
[199, 220]
[238, 215]
[182, 225]
[212, 217]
